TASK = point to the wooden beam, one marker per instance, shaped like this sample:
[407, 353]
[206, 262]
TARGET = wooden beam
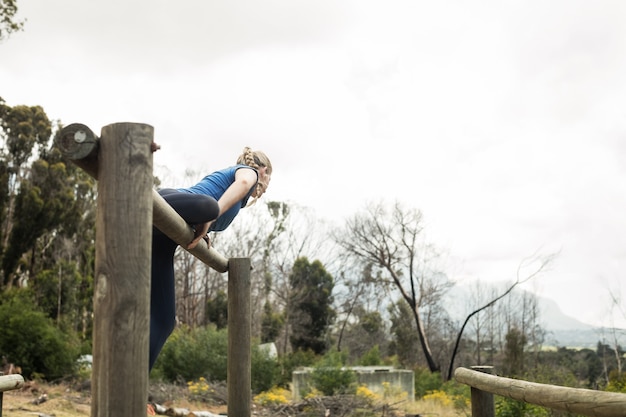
[575, 400]
[11, 382]
[78, 143]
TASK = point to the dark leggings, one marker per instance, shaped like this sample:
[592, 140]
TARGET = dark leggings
[194, 209]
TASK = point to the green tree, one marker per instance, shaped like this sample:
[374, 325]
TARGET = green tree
[217, 310]
[271, 324]
[8, 23]
[404, 338]
[21, 127]
[47, 217]
[514, 352]
[311, 299]
[365, 332]
[371, 357]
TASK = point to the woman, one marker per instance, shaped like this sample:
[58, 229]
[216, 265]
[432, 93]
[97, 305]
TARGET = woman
[210, 205]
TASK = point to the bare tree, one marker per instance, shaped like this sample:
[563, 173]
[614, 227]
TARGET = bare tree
[390, 240]
[540, 264]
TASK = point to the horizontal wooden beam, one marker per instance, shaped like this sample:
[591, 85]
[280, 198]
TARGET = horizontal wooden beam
[78, 143]
[575, 400]
[11, 382]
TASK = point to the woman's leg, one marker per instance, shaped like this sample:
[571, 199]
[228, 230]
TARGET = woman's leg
[162, 295]
[195, 209]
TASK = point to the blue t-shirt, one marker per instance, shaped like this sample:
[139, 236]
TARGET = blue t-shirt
[215, 185]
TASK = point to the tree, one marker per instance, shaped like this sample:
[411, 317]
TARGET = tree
[271, 324]
[514, 352]
[217, 310]
[311, 300]
[540, 264]
[8, 23]
[47, 218]
[389, 240]
[364, 332]
[404, 337]
[44, 200]
[21, 128]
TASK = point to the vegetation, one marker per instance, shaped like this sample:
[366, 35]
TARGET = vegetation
[8, 23]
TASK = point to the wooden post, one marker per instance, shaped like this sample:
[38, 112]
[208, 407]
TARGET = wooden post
[482, 401]
[239, 355]
[122, 272]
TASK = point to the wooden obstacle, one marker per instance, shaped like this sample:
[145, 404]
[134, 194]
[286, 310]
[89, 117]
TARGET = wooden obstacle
[121, 161]
[8, 383]
[585, 402]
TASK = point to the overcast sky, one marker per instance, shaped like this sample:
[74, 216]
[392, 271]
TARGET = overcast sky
[503, 121]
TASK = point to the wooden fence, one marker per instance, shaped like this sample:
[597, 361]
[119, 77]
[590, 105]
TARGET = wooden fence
[127, 207]
[574, 400]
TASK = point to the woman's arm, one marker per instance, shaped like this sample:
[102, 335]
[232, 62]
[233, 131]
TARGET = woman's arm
[245, 179]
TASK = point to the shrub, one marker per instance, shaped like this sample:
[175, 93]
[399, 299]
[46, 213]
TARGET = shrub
[617, 381]
[371, 357]
[291, 361]
[265, 370]
[31, 340]
[274, 396]
[426, 381]
[459, 393]
[363, 392]
[199, 390]
[507, 407]
[439, 397]
[194, 353]
[330, 378]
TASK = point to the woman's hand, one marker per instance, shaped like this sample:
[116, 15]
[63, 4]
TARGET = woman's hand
[201, 233]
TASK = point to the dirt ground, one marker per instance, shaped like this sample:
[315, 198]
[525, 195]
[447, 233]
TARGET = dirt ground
[58, 402]
[62, 401]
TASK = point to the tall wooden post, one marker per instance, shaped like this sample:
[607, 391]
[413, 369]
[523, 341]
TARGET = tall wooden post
[239, 328]
[122, 272]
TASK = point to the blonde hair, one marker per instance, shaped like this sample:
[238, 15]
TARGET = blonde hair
[256, 160]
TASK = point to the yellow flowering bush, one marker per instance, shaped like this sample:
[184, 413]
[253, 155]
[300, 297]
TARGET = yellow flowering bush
[363, 392]
[393, 391]
[439, 397]
[274, 396]
[313, 393]
[200, 389]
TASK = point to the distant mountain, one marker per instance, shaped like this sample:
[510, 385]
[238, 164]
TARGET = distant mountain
[561, 330]
[566, 331]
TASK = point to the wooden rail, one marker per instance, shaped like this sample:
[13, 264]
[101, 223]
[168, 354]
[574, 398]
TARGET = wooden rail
[121, 161]
[574, 400]
[8, 383]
